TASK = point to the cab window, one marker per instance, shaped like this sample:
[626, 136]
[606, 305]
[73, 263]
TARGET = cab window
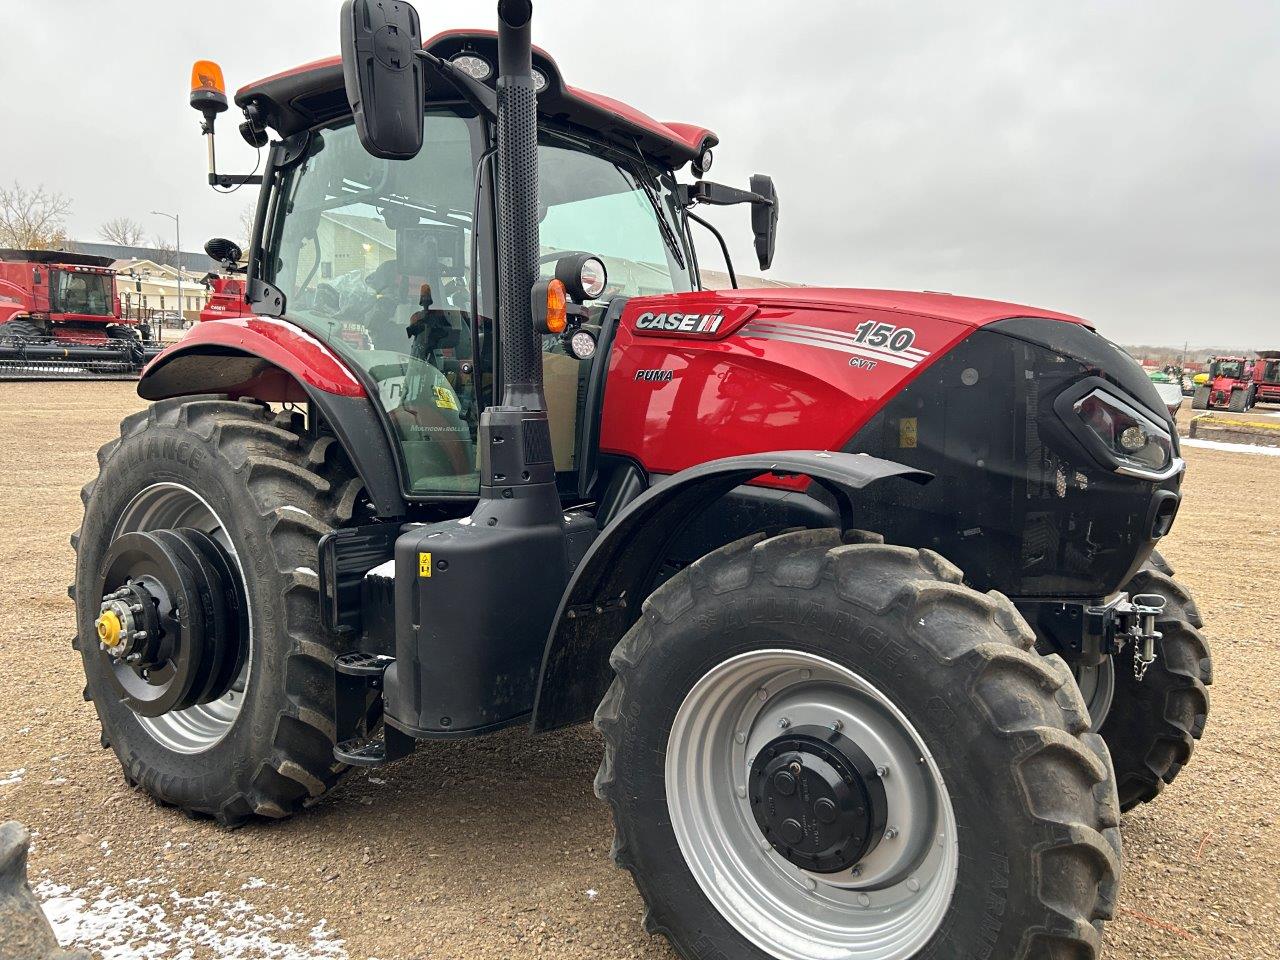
[591, 204]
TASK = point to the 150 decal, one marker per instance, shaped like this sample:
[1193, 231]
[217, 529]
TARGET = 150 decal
[884, 336]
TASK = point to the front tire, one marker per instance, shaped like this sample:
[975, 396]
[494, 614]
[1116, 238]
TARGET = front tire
[1015, 799]
[266, 492]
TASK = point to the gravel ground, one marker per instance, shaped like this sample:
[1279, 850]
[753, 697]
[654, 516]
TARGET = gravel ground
[497, 848]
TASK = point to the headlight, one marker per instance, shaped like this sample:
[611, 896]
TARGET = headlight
[477, 68]
[1136, 444]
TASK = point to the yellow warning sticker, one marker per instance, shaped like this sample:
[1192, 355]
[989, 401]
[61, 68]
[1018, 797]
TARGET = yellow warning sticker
[424, 564]
[907, 433]
[445, 398]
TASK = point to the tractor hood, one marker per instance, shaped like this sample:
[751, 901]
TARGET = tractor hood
[969, 311]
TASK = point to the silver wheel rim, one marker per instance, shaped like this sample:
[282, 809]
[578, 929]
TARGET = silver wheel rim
[164, 506]
[888, 906]
[1097, 685]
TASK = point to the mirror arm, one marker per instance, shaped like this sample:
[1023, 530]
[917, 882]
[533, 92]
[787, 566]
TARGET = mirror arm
[472, 90]
[724, 247]
[719, 195]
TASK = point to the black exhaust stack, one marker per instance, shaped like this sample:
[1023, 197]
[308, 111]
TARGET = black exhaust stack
[515, 439]
[518, 206]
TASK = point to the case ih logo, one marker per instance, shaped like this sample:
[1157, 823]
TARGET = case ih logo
[681, 322]
[708, 325]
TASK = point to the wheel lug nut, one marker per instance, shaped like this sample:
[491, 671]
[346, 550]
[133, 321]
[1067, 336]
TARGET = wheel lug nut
[891, 833]
[837, 725]
[913, 884]
[882, 772]
[740, 737]
[762, 693]
[135, 608]
[783, 723]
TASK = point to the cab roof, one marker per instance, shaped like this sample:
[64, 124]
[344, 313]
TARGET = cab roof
[313, 93]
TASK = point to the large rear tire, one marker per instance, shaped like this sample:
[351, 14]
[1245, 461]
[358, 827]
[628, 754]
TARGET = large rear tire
[1151, 725]
[21, 329]
[266, 492]
[1239, 402]
[1200, 399]
[1003, 836]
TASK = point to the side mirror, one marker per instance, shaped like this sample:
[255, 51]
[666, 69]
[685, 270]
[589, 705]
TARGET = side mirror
[381, 40]
[225, 252]
[764, 219]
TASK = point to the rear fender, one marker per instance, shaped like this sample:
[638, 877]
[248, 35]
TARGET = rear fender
[604, 596]
[276, 362]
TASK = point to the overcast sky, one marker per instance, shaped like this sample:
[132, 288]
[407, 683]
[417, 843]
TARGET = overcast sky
[1112, 159]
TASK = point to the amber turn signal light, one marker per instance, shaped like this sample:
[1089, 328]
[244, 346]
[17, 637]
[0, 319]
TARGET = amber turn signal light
[557, 307]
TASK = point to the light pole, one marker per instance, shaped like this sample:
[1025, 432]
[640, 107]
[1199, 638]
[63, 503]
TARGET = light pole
[177, 230]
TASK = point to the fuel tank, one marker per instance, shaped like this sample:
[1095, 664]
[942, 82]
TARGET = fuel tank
[977, 392]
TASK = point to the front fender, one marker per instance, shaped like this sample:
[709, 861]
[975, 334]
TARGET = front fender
[604, 596]
[277, 362]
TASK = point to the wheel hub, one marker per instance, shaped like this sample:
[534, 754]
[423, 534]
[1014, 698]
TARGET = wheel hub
[173, 620]
[818, 799]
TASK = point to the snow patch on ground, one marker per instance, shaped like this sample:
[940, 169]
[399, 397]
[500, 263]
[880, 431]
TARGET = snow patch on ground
[13, 776]
[149, 926]
[1231, 447]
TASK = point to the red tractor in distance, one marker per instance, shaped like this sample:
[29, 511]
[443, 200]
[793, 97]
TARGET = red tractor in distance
[60, 315]
[1230, 385]
[859, 587]
[1266, 377]
[226, 298]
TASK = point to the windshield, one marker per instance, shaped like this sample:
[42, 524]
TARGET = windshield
[84, 293]
[374, 257]
[1228, 368]
[591, 204]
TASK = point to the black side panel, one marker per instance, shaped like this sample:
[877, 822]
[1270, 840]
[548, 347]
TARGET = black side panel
[1018, 504]
[748, 509]
[605, 593]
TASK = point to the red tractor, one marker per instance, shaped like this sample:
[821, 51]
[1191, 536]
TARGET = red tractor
[1230, 385]
[226, 298]
[59, 312]
[1266, 377]
[829, 568]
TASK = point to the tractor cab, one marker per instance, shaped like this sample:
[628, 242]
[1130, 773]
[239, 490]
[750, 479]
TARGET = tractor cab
[392, 263]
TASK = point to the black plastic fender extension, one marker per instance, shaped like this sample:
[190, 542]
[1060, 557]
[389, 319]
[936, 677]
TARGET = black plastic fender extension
[604, 596]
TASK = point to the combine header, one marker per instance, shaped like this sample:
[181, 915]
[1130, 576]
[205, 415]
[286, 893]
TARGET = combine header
[60, 318]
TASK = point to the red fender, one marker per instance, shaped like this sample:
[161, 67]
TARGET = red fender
[263, 357]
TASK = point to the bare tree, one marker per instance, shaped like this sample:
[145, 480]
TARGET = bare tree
[32, 219]
[166, 254]
[122, 231]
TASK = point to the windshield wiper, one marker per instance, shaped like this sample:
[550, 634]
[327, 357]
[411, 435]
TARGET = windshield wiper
[669, 235]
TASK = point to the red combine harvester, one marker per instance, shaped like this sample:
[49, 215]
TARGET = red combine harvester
[1230, 385]
[60, 317]
[830, 569]
[1266, 377]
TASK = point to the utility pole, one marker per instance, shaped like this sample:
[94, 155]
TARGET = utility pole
[177, 230]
